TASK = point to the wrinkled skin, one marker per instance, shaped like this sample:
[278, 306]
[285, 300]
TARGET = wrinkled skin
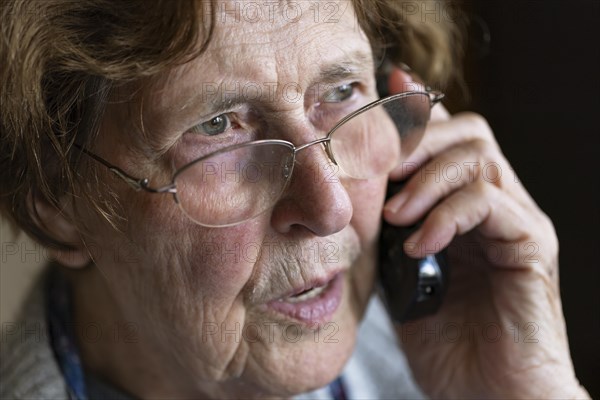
[173, 283]
[180, 287]
[500, 331]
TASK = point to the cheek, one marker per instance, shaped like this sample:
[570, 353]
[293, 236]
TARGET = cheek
[195, 270]
[367, 201]
[176, 279]
[212, 263]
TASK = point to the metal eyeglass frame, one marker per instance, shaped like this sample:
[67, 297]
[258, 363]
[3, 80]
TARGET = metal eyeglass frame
[144, 183]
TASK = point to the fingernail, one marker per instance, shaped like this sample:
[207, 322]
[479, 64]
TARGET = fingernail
[415, 238]
[411, 245]
[394, 204]
[404, 67]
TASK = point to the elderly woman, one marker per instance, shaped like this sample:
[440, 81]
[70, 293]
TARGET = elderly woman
[214, 227]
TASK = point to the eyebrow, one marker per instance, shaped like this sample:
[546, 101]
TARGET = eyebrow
[356, 64]
[353, 65]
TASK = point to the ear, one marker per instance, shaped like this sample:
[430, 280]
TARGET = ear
[59, 226]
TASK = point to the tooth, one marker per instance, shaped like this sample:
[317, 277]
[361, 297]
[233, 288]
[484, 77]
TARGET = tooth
[307, 295]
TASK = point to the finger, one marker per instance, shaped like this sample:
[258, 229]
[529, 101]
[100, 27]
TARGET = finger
[442, 135]
[495, 214]
[448, 172]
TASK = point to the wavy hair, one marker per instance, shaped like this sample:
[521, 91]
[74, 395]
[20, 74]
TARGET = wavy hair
[60, 60]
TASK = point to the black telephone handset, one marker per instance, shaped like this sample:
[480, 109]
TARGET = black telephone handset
[412, 288]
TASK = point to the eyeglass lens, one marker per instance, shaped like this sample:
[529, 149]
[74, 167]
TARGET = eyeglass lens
[238, 184]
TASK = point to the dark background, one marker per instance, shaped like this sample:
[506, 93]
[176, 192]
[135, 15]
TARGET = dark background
[537, 82]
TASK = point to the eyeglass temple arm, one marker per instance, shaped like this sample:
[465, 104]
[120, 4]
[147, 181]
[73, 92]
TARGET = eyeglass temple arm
[434, 96]
[136, 183]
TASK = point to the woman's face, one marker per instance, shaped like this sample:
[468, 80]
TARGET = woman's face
[214, 308]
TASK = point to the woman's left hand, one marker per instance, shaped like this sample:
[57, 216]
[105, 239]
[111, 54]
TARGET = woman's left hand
[500, 331]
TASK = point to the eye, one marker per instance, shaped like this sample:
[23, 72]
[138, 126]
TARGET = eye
[339, 93]
[215, 126]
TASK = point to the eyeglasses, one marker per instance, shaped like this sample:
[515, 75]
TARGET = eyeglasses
[239, 182]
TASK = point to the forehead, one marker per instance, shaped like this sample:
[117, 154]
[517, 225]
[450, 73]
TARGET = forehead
[268, 44]
[283, 30]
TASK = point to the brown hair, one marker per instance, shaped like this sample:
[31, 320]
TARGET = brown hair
[61, 59]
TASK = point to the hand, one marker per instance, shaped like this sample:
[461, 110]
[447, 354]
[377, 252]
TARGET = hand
[500, 331]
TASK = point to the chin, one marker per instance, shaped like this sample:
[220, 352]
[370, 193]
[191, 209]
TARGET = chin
[305, 358]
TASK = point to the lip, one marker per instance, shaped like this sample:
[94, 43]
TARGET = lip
[316, 310]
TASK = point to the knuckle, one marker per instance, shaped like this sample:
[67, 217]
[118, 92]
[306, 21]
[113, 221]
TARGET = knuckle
[444, 212]
[484, 150]
[479, 125]
[550, 231]
[482, 189]
[489, 161]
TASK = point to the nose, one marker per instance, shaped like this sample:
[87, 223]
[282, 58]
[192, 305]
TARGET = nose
[316, 199]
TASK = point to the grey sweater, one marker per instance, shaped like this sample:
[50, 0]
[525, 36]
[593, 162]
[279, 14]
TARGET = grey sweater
[28, 369]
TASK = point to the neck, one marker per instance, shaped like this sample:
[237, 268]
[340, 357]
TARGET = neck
[112, 346]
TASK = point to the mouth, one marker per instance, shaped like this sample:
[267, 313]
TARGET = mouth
[313, 304]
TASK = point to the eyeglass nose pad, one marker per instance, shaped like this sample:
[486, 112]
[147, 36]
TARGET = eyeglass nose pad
[329, 152]
[288, 166]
